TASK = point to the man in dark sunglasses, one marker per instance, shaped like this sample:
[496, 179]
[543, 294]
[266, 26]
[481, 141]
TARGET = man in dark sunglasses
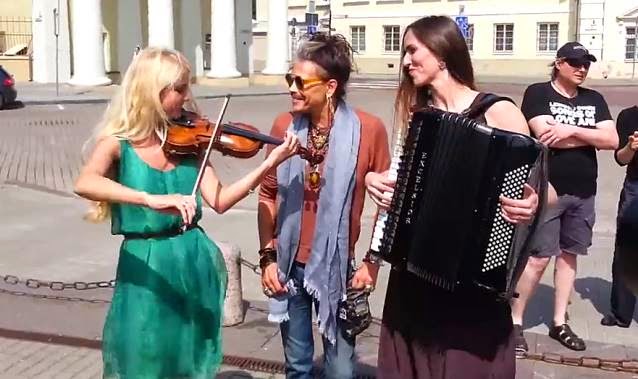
[574, 122]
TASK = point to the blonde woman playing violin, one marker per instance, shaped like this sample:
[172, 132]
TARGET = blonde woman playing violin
[165, 318]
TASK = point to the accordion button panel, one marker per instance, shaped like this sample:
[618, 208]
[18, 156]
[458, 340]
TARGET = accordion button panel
[502, 231]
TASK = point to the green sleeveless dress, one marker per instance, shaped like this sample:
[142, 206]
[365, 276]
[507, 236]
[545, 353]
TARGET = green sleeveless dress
[166, 316]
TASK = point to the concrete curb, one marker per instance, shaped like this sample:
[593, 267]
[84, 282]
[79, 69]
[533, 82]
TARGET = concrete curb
[107, 99]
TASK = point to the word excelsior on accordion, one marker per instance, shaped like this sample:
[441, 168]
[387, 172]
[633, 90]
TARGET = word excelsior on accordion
[445, 224]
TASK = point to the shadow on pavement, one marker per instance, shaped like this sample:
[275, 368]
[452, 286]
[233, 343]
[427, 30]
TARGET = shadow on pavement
[598, 292]
[540, 309]
[362, 370]
[14, 105]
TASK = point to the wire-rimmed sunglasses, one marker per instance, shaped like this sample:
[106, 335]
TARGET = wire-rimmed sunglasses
[301, 83]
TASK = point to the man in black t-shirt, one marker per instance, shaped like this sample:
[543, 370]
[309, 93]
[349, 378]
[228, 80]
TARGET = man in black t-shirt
[573, 122]
[623, 300]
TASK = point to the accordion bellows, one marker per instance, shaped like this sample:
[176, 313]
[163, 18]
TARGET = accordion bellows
[444, 224]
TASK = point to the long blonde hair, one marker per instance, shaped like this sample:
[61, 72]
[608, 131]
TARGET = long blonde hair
[136, 111]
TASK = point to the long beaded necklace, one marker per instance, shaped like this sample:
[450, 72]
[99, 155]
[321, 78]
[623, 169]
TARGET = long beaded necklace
[317, 147]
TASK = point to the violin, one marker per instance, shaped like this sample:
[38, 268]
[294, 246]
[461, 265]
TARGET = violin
[191, 134]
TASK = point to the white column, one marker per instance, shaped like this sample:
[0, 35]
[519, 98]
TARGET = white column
[49, 64]
[223, 59]
[88, 46]
[160, 23]
[277, 56]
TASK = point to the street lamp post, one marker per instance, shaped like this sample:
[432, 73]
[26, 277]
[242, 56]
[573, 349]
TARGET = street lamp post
[56, 32]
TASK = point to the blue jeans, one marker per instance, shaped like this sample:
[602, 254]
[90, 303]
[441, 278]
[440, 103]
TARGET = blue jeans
[296, 334]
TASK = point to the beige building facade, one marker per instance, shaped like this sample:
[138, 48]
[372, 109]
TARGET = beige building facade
[244, 39]
[506, 38]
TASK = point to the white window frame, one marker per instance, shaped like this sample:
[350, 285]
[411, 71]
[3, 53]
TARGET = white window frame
[503, 38]
[361, 38]
[630, 40]
[398, 40]
[551, 41]
[469, 41]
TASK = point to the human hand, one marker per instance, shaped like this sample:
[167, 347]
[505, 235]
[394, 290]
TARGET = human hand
[556, 132]
[270, 281]
[633, 142]
[520, 211]
[284, 151]
[366, 276]
[184, 205]
[380, 188]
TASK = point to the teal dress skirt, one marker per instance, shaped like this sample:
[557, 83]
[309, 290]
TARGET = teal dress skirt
[166, 316]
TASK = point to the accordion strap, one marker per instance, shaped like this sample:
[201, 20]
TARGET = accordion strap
[482, 103]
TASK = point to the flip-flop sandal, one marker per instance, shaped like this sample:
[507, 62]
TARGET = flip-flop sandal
[567, 337]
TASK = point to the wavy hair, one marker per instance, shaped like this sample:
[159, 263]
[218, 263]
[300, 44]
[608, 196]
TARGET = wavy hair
[135, 111]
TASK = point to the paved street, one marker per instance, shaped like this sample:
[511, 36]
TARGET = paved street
[44, 237]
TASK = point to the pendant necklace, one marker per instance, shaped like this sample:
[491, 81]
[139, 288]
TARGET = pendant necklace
[317, 146]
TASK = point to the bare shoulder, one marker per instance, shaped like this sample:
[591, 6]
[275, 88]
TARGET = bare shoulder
[105, 153]
[108, 145]
[506, 115]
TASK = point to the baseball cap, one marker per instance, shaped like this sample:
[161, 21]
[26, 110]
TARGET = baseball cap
[574, 50]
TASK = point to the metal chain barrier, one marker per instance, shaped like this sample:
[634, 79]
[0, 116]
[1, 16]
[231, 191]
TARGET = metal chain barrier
[626, 365]
[57, 286]
[54, 286]
[623, 365]
[254, 267]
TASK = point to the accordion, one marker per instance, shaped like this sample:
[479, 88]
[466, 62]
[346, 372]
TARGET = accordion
[444, 223]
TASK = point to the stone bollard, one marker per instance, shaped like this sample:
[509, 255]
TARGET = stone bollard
[234, 303]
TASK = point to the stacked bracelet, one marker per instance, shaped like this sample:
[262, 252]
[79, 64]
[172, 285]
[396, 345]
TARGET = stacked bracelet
[267, 256]
[372, 258]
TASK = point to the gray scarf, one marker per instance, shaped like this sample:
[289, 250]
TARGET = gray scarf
[326, 269]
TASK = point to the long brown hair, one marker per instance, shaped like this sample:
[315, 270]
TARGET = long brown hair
[443, 38]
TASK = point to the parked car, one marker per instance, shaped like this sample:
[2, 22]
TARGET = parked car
[8, 93]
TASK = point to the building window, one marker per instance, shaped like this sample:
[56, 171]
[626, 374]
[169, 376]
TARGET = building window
[547, 37]
[469, 40]
[358, 38]
[503, 38]
[391, 38]
[630, 43]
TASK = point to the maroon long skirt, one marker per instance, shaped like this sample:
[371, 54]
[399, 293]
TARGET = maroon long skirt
[427, 333]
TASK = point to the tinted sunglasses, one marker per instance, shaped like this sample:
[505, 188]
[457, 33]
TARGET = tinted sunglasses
[302, 83]
[578, 63]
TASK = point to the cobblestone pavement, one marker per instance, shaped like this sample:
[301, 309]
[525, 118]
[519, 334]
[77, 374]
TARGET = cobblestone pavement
[36, 360]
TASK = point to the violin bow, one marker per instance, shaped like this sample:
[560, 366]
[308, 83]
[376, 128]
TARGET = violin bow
[210, 144]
